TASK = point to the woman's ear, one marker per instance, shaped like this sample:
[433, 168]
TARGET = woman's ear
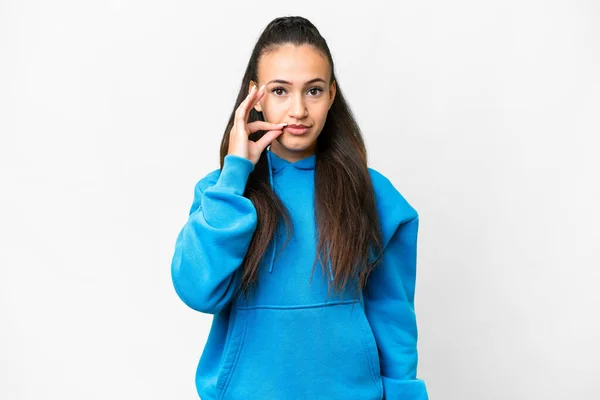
[332, 92]
[257, 106]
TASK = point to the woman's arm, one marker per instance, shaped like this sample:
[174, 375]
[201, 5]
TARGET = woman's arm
[389, 306]
[212, 244]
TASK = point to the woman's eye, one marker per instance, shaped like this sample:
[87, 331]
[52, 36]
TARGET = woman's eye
[314, 91]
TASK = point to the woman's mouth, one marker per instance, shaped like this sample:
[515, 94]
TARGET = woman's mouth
[297, 129]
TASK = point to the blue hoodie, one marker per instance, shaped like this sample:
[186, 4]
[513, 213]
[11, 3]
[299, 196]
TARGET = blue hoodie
[291, 341]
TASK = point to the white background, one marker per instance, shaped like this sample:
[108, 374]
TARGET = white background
[483, 114]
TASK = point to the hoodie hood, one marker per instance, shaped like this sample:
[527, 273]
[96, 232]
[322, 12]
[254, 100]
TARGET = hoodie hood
[276, 165]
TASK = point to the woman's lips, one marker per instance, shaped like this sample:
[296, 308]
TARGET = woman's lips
[296, 131]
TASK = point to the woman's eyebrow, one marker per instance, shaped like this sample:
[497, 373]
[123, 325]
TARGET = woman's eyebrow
[289, 83]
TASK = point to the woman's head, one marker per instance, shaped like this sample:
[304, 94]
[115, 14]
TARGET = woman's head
[291, 49]
[299, 90]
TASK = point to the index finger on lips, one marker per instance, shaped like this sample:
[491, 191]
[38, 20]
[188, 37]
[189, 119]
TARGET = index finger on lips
[264, 126]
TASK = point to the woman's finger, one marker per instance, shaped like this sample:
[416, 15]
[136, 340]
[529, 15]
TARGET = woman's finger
[241, 113]
[267, 138]
[259, 94]
[252, 100]
[263, 125]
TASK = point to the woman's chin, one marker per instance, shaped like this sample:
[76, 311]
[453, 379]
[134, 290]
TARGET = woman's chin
[295, 142]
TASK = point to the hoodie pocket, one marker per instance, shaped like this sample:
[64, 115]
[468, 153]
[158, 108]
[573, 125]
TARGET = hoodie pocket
[231, 352]
[370, 345]
[311, 352]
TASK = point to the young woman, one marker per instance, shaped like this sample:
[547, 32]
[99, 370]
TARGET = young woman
[293, 156]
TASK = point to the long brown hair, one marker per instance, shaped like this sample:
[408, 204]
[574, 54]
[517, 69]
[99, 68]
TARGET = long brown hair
[347, 220]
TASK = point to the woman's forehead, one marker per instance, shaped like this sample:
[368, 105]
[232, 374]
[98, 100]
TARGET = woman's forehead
[296, 65]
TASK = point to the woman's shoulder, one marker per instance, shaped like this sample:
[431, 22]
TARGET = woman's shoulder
[389, 195]
[393, 207]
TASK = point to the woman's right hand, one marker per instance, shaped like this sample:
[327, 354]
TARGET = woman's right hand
[239, 144]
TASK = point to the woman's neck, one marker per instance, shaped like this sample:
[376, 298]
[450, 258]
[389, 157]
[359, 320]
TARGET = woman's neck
[290, 155]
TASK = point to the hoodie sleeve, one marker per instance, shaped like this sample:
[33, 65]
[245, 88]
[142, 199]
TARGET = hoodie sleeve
[389, 306]
[389, 298]
[212, 244]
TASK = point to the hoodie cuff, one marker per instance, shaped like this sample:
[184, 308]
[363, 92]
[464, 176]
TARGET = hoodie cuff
[409, 389]
[235, 172]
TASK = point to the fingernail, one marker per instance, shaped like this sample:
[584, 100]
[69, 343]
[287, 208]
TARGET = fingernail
[261, 88]
[282, 124]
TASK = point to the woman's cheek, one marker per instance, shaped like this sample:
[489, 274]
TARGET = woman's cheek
[272, 108]
[319, 112]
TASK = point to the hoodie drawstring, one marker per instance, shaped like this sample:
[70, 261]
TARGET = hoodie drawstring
[275, 235]
[329, 264]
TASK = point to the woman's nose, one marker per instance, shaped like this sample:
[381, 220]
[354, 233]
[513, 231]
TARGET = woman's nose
[298, 108]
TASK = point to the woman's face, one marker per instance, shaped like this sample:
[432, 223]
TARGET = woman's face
[296, 92]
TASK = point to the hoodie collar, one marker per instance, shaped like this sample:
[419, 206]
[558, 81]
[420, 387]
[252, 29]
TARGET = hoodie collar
[277, 163]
